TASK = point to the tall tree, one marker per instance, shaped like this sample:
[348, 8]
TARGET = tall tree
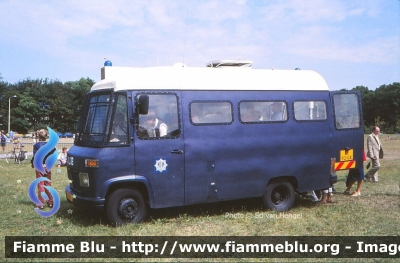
[381, 107]
[78, 90]
[25, 111]
[43, 102]
[387, 101]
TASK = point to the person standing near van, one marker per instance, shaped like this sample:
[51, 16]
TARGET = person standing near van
[3, 140]
[41, 185]
[374, 152]
[36, 137]
[11, 135]
[326, 196]
[62, 157]
[355, 175]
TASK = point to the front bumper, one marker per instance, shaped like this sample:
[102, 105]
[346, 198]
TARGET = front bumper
[96, 204]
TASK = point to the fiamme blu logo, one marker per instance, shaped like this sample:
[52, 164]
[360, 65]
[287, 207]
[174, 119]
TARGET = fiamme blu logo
[38, 165]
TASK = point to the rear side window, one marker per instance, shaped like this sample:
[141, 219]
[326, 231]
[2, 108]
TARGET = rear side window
[262, 111]
[347, 111]
[211, 112]
[309, 110]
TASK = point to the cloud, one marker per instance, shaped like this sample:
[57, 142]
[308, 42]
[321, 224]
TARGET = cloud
[218, 11]
[298, 11]
[148, 33]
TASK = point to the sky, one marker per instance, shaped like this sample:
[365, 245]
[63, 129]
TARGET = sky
[350, 43]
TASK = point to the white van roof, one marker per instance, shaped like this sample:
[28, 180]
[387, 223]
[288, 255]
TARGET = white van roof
[208, 78]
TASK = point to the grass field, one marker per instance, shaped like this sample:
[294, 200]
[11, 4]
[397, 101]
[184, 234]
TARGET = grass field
[375, 213]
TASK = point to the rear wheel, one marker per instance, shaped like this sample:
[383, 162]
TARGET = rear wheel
[126, 206]
[279, 196]
[22, 157]
[10, 157]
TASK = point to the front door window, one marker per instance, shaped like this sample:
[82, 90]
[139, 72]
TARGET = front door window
[162, 119]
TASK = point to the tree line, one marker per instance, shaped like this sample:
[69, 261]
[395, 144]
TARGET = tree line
[42, 102]
[381, 107]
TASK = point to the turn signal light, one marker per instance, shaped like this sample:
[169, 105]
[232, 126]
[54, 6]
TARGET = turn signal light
[91, 163]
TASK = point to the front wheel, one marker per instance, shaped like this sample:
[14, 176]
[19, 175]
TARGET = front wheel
[126, 206]
[279, 196]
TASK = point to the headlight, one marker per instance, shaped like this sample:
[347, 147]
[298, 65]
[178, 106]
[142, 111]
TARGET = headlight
[84, 179]
[70, 161]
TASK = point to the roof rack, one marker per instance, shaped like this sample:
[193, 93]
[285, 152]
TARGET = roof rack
[230, 63]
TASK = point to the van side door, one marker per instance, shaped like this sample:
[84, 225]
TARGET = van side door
[348, 132]
[159, 148]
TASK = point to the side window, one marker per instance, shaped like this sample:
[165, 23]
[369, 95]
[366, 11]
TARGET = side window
[211, 112]
[262, 111]
[162, 120]
[309, 110]
[119, 129]
[347, 111]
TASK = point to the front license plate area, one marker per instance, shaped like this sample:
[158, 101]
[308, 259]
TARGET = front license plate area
[69, 196]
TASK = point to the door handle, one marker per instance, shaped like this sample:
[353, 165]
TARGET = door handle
[177, 151]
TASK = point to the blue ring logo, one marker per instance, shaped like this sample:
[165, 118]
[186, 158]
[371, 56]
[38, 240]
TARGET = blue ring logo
[44, 150]
[35, 199]
[38, 164]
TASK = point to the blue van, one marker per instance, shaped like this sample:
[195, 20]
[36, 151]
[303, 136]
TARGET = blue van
[162, 137]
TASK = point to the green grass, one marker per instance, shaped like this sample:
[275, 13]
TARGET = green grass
[375, 213]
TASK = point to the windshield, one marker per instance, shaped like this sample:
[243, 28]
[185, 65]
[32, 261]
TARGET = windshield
[103, 121]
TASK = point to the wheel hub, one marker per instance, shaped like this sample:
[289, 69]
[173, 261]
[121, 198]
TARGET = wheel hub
[128, 208]
[278, 197]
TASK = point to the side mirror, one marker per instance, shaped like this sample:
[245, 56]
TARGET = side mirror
[143, 104]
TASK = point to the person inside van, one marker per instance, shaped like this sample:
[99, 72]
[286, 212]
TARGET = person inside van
[276, 109]
[119, 131]
[119, 127]
[154, 126]
[251, 113]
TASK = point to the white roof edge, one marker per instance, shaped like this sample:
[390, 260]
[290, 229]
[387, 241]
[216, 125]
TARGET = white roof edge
[206, 78]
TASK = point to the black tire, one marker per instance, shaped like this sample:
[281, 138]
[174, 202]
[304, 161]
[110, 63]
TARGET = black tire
[279, 196]
[124, 206]
[22, 157]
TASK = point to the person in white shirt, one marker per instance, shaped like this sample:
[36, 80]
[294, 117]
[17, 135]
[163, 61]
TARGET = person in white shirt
[154, 126]
[62, 157]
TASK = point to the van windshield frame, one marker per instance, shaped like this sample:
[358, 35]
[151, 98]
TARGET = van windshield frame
[96, 125]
